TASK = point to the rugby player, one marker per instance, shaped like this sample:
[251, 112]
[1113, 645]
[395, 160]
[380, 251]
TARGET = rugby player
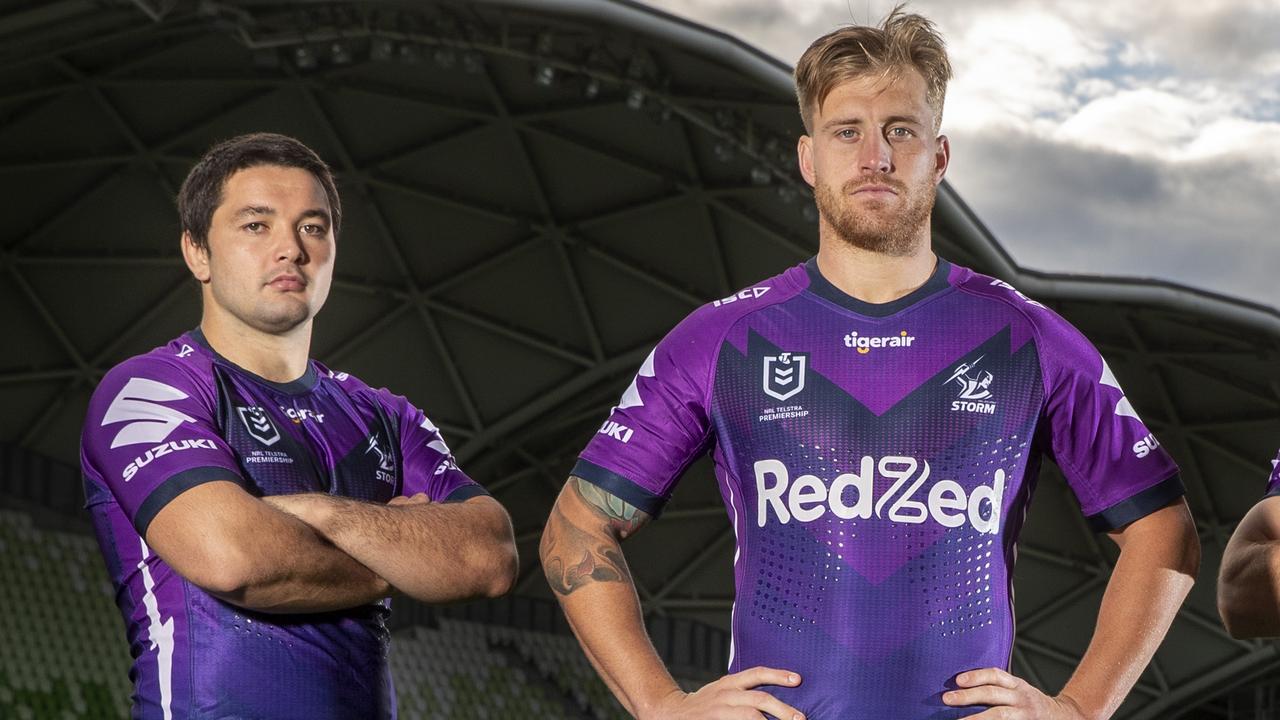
[255, 508]
[1249, 580]
[877, 417]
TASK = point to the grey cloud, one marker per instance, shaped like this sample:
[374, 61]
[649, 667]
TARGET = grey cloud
[1060, 208]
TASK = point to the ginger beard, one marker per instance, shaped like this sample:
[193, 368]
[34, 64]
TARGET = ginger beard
[873, 224]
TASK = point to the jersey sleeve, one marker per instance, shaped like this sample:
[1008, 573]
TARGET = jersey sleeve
[150, 434]
[660, 425]
[429, 466]
[1273, 485]
[1112, 462]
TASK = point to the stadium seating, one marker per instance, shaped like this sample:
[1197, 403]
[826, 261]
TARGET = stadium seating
[63, 654]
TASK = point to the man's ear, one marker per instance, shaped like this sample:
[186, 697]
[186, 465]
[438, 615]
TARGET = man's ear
[804, 155]
[942, 159]
[196, 257]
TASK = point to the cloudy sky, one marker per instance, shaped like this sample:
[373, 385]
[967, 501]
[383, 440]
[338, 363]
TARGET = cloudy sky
[1117, 137]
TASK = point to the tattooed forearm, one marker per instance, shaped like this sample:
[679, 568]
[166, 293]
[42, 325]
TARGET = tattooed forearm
[621, 517]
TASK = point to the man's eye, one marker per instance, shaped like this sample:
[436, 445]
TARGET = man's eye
[846, 134]
[313, 229]
[900, 132]
[255, 227]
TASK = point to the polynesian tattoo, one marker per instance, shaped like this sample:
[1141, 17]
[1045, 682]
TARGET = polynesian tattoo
[601, 558]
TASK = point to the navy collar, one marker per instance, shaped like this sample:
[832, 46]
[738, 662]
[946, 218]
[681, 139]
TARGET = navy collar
[823, 288]
[293, 387]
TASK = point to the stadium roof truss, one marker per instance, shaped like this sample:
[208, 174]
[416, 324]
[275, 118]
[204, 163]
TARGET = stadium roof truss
[534, 192]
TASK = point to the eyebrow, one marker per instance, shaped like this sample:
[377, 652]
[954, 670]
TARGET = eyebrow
[859, 121]
[256, 210]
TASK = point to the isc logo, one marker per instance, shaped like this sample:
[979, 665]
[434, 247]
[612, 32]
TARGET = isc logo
[618, 432]
[852, 495]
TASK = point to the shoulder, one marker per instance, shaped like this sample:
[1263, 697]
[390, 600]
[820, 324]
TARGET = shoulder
[1053, 333]
[361, 392]
[706, 326]
[173, 371]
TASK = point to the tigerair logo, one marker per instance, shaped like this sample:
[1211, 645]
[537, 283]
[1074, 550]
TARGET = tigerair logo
[864, 343]
[852, 495]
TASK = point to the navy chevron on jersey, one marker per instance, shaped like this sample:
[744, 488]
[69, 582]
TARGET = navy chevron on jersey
[877, 462]
[181, 415]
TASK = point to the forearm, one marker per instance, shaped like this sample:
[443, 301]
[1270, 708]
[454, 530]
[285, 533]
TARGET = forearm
[242, 550]
[1249, 580]
[297, 571]
[1151, 579]
[591, 580]
[434, 552]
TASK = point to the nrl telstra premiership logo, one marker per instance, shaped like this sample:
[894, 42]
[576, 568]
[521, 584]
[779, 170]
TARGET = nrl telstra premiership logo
[784, 374]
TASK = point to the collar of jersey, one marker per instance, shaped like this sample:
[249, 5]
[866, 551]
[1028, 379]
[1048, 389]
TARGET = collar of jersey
[293, 387]
[820, 286]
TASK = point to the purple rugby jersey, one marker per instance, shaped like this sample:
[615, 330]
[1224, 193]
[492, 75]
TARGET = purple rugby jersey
[876, 462]
[1273, 486]
[181, 415]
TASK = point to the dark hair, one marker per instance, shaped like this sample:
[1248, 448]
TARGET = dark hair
[201, 192]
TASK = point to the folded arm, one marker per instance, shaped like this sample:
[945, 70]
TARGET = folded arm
[242, 550]
[1249, 581]
[434, 552]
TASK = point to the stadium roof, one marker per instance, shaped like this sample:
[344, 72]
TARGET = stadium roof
[535, 191]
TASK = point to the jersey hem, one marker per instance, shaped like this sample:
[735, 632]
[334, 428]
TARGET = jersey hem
[175, 485]
[1136, 507]
[619, 485]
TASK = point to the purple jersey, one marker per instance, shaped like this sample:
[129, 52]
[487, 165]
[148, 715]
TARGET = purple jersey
[876, 462]
[182, 415]
[1273, 486]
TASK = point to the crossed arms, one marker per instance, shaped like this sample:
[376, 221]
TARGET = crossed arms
[318, 553]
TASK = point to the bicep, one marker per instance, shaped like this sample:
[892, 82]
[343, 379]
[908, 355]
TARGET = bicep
[580, 544]
[1261, 524]
[199, 533]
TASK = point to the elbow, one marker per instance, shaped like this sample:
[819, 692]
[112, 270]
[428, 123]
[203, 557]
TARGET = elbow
[504, 568]
[223, 571]
[1234, 610]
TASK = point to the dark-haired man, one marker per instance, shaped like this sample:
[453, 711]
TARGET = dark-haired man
[254, 507]
[877, 418]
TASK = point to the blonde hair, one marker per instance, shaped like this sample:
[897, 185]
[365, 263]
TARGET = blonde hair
[903, 40]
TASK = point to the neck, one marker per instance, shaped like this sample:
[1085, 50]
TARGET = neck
[278, 358]
[870, 276]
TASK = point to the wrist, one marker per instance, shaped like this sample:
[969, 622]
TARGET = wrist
[1075, 708]
[658, 705]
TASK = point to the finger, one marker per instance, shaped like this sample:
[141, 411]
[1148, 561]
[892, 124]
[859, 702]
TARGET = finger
[999, 713]
[398, 500]
[765, 702]
[992, 695]
[752, 677]
[987, 676]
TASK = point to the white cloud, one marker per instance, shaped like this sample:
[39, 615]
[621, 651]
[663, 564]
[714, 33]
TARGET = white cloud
[1155, 132]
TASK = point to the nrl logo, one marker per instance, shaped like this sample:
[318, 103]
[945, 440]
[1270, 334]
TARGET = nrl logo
[259, 425]
[784, 374]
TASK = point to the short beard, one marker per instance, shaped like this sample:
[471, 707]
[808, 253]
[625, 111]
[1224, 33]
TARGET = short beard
[896, 235]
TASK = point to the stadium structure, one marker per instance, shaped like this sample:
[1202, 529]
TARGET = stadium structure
[535, 191]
